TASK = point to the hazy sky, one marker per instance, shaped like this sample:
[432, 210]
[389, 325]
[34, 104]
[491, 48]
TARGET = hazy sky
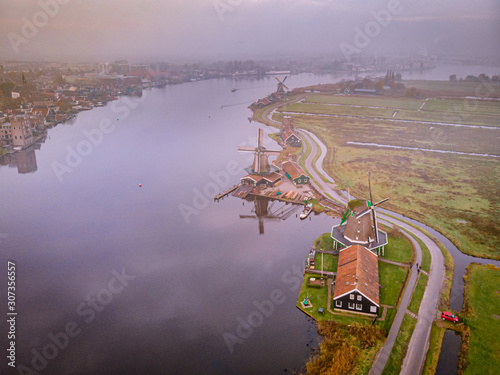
[182, 30]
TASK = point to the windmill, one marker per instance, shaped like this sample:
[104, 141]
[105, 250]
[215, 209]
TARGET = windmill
[359, 227]
[371, 208]
[260, 161]
[281, 85]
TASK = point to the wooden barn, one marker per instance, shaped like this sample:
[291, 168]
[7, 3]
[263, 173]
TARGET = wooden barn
[290, 137]
[357, 285]
[268, 180]
[295, 173]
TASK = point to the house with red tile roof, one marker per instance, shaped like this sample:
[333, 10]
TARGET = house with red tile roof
[357, 283]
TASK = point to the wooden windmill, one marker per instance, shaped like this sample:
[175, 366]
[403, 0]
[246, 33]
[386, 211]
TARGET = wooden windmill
[360, 228]
[281, 85]
[260, 161]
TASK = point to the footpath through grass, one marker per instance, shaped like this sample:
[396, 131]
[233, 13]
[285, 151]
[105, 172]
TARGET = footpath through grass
[482, 314]
[393, 365]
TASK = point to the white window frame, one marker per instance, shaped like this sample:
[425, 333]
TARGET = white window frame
[350, 305]
[338, 303]
[351, 296]
[359, 306]
[373, 309]
[359, 297]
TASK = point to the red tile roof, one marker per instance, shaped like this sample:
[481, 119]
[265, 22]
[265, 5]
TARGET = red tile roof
[293, 169]
[357, 270]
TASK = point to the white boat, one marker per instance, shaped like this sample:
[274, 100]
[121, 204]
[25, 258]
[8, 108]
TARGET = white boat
[307, 210]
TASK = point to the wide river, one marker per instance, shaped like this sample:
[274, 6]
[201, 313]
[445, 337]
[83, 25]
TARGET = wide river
[125, 265]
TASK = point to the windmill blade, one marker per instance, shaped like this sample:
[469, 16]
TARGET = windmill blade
[285, 79]
[375, 225]
[363, 213]
[370, 186]
[272, 152]
[277, 79]
[286, 87]
[246, 149]
[382, 201]
[261, 138]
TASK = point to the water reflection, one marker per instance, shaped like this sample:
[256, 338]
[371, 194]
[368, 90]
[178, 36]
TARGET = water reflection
[23, 160]
[267, 209]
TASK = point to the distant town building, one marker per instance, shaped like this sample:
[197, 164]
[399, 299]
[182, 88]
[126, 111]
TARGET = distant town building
[357, 284]
[16, 92]
[295, 172]
[17, 132]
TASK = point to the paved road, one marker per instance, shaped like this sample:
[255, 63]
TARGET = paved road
[417, 348]
[382, 356]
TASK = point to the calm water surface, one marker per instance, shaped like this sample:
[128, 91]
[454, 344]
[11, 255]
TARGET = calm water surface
[195, 269]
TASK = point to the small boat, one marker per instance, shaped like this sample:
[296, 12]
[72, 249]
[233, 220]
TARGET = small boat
[233, 90]
[307, 210]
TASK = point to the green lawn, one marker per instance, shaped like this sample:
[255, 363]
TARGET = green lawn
[319, 298]
[398, 250]
[393, 365]
[418, 293]
[483, 291]
[391, 277]
[330, 262]
[324, 242]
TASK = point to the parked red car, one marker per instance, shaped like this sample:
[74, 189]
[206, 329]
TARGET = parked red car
[445, 315]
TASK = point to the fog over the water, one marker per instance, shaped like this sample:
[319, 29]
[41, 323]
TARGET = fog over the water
[183, 30]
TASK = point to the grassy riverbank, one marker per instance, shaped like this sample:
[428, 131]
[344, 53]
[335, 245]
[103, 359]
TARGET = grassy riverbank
[453, 193]
[481, 315]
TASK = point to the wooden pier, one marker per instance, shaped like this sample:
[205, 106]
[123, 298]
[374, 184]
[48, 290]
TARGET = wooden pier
[225, 192]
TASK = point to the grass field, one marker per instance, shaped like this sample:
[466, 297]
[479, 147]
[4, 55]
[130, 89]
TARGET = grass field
[404, 103]
[391, 278]
[330, 262]
[455, 194]
[418, 293]
[393, 365]
[482, 317]
[398, 250]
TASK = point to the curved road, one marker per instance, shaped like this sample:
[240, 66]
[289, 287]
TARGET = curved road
[417, 348]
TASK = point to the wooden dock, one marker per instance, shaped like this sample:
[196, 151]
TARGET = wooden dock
[226, 192]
